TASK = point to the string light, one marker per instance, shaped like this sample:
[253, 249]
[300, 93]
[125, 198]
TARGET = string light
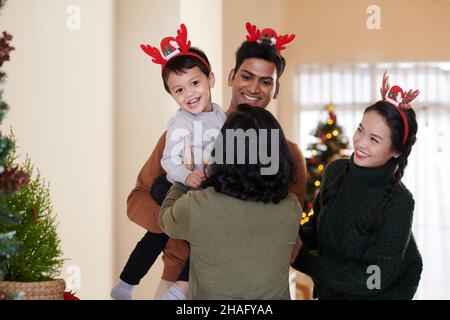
[314, 152]
[317, 183]
[321, 167]
[305, 218]
[335, 133]
[330, 122]
[329, 136]
[331, 107]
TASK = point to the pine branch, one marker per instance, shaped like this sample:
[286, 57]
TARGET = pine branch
[41, 255]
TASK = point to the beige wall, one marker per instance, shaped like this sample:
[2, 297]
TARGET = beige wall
[336, 31]
[60, 92]
[143, 110]
[204, 20]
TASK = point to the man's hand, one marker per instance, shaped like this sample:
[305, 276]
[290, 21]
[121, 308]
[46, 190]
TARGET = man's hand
[194, 180]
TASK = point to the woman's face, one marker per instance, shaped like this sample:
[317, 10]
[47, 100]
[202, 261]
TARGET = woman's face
[372, 142]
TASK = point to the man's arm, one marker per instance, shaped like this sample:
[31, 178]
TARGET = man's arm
[141, 208]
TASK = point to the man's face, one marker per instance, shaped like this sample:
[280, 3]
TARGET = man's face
[254, 83]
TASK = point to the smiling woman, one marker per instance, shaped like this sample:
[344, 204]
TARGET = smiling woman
[370, 228]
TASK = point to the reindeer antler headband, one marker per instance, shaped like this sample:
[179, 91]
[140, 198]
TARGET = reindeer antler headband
[172, 47]
[268, 36]
[399, 99]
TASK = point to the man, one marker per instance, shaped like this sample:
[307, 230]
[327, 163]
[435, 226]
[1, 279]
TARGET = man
[255, 81]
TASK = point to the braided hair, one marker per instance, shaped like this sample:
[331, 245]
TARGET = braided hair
[394, 121]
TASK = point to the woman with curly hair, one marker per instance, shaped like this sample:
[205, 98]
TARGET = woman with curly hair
[243, 226]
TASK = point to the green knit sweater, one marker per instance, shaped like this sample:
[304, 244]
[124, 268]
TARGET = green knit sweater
[344, 261]
[239, 249]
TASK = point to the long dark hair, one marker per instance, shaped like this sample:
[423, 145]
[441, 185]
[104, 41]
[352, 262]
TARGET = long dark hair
[244, 179]
[394, 121]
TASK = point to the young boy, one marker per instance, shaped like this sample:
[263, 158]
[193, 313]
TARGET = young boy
[187, 77]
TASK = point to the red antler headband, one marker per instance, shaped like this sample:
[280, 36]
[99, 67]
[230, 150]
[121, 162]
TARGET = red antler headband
[399, 99]
[172, 47]
[268, 36]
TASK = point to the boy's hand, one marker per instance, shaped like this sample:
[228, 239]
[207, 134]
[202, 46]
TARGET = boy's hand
[194, 180]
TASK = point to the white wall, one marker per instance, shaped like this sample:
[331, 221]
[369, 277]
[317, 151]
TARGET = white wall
[204, 21]
[143, 110]
[60, 91]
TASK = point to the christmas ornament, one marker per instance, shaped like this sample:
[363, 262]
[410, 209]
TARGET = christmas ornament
[268, 36]
[399, 99]
[5, 48]
[172, 47]
[331, 107]
[68, 295]
[12, 179]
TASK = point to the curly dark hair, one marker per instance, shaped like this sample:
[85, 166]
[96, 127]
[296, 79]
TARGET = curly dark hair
[242, 174]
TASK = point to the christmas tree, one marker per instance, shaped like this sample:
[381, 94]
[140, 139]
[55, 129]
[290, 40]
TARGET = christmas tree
[29, 245]
[331, 144]
[40, 257]
[11, 177]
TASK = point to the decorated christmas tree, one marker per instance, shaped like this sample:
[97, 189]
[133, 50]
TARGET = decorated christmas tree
[11, 177]
[331, 144]
[30, 252]
[40, 257]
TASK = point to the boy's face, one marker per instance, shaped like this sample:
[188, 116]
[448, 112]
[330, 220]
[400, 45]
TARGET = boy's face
[254, 83]
[192, 90]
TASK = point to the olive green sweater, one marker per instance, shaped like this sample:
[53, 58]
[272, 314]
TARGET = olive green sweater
[344, 261]
[239, 249]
